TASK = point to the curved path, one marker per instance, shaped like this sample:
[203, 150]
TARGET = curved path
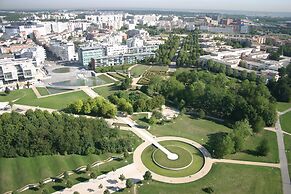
[174, 180]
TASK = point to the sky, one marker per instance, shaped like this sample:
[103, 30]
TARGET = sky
[243, 5]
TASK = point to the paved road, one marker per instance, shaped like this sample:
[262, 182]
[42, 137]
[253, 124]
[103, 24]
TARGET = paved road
[283, 159]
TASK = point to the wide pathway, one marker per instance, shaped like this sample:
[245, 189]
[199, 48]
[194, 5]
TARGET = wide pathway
[283, 159]
[91, 93]
[273, 165]
[109, 181]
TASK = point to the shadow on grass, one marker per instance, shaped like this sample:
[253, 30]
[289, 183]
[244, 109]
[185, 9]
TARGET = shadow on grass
[251, 152]
[82, 179]
[58, 187]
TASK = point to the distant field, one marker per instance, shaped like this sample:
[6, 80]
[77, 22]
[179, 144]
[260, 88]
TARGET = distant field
[224, 179]
[43, 91]
[282, 106]
[285, 121]
[106, 90]
[106, 78]
[194, 129]
[139, 70]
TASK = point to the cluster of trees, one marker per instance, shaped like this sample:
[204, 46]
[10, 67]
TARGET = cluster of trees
[112, 68]
[43, 133]
[126, 83]
[190, 51]
[167, 51]
[222, 68]
[95, 107]
[283, 50]
[136, 101]
[238, 43]
[229, 143]
[281, 89]
[218, 96]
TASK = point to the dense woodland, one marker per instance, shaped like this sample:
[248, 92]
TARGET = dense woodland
[218, 96]
[281, 89]
[136, 101]
[95, 107]
[42, 133]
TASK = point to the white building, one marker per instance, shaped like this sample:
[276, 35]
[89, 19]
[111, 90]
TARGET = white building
[134, 42]
[116, 50]
[25, 29]
[16, 70]
[104, 20]
[64, 50]
[36, 53]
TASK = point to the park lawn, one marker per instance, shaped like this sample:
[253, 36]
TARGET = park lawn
[17, 172]
[285, 121]
[159, 68]
[105, 78]
[287, 141]
[15, 94]
[60, 101]
[282, 106]
[43, 91]
[138, 70]
[117, 76]
[141, 119]
[106, 90]
[224, 179]
[187, 127]
[250, 145]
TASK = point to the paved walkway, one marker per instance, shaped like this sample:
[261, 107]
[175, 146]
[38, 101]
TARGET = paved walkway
[283, 159]
[284, 112]
[174, 180]
[109, 181]
[90, 92]
[113, 78]
[273, 165]
[36, 92]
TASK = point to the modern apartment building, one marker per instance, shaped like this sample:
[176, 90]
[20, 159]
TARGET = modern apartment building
[64, 50]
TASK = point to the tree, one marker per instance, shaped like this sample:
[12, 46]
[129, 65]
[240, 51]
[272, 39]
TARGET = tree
[129, 183]
[17, 86]
[66, 175]
[106, 191]
[201, 114]
[122, 177]
[126, 83]
[147, 176]
[76, 192]
[45, 191]
[263, 149]
[88, 167]
[125, 154]
[153, 120]
[100, 186]
[28, 84]
[93, 175]
[78, 106]
[208, 190]
[258, 125]
[69, 184]
[7, 91]
[221, 144]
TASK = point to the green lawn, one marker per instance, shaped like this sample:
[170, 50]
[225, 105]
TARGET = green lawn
[185, 158]
[194, 129]
[106, 90]
[139, 70]
[117, 76]
[285, 121]
[141, 119]
[17, 172]
[159, 68]
[282, 106]
[62, 70]
[224, 179]
[55, 102]
[105, 78]
[249, 152]
[15, 94]
[43, 91]
[287, 141]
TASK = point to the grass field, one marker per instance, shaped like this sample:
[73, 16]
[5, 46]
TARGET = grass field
[139, 70]
[282, 106]
[62, 70]
[117, 76]
[17, 172]
[106, 90]
[249, 152]
[285, 121]
[287, 141]
[224, 179]
[140, 119]
[105, 78]
[16, 94]
[182, 161]
[43, 91]
[55, 102]
[194, 129]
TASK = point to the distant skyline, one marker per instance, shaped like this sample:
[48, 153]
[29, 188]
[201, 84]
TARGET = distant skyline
[241, 5]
